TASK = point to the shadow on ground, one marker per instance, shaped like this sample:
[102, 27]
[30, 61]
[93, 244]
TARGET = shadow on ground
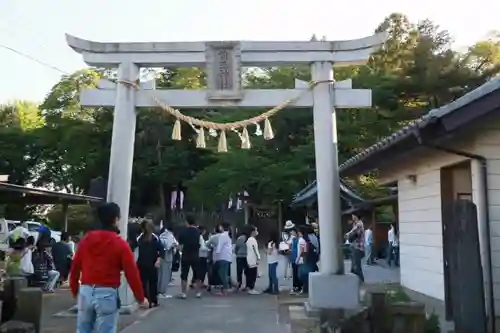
[57, 319]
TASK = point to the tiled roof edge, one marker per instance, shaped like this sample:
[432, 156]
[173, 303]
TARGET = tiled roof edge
[483, 90]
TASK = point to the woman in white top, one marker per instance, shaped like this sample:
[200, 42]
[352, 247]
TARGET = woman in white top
[393, 246]
[203, 253]
[170, 244]
[284, 249]
[272, 263]
[253, 258]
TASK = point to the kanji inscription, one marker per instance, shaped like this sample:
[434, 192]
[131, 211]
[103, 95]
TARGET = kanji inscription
[224, 70]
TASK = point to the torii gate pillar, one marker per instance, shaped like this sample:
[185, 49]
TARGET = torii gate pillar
[330, 287]
[121, 161]
[122, 143]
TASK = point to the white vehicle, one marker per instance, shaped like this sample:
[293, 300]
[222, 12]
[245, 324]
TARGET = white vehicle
[33, 226]
[4, 234]
[8, 225]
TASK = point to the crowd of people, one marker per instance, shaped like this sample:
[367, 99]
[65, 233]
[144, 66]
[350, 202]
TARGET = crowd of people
[300, 249]
[203, 257]
[360, 240]
[102, 255]
[41, 261]
[208, 256]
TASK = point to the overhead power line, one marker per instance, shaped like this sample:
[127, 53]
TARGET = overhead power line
[33, 59]
[144, 73]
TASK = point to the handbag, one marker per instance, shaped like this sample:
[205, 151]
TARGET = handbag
[283, 248]
[26, 264]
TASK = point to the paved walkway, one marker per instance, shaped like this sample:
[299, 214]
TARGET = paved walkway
[57, 317]
[237, 312]
[377, 273]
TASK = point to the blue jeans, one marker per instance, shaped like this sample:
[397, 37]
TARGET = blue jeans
[393, 255]
[97, 308]
[223, 273]
[53, 278]
[273, 278]
[369, 253]
[304, 270]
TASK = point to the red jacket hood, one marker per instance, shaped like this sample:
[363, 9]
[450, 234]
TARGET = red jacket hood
[100, 240]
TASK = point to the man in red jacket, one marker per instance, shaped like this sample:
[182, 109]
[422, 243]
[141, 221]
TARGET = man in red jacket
[95, 274]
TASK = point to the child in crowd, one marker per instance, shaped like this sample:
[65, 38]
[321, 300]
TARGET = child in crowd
[272, 263]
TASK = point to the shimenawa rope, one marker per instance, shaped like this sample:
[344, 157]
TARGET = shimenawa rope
[222, 128]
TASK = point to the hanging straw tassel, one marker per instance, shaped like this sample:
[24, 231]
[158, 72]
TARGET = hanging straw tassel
[268, 130]
[200, 140]
[176, 132]
[245, 139]
[222, 147]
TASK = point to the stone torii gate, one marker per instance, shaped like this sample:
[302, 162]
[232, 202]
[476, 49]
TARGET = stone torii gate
[329, 288]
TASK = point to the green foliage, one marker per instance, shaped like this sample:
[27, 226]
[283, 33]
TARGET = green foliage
[432, 324]
[414, 72]
[18, 121]
[396, 294]
[80, 218]
[63, 146]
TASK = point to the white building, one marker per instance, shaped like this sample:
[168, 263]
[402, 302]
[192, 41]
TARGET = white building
[441, 157]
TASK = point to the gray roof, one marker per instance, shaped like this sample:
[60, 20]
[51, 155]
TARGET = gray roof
[407, 131]
[13, 193]
[307, 195]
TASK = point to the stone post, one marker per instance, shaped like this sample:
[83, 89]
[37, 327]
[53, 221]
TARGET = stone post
[122, 157]
[329, 288]
[327, 174]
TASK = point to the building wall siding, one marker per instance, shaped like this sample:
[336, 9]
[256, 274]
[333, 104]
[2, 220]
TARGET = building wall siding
[421, 245]
[419, 205]
[487, 144]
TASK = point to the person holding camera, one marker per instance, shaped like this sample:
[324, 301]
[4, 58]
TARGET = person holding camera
[356, 237]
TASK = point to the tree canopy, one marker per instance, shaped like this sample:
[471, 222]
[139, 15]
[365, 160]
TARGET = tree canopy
[63, 146]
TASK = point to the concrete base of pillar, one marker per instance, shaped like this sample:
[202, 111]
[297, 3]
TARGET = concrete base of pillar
[128, 309]
[129, 305]
[328, 291]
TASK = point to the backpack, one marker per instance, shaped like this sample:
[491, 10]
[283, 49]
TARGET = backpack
[312, 254]
[40, 265]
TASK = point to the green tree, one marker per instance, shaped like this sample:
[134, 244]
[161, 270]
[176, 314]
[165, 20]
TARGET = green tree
[80, 218]
[20, 157]
[415, 71]
[75, 141]
[64, 146]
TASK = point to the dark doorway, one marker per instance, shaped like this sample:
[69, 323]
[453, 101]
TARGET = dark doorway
[463, 274]
[456, 183]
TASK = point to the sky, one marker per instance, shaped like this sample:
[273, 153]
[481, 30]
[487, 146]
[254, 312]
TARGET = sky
[38, 27]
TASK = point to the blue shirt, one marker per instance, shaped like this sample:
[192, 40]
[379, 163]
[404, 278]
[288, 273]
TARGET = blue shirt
[294, 249]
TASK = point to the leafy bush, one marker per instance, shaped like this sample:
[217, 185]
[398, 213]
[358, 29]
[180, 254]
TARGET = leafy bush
[397, 294]
[432, 324]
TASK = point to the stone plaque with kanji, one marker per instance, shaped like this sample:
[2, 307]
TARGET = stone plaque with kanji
[223, 66]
